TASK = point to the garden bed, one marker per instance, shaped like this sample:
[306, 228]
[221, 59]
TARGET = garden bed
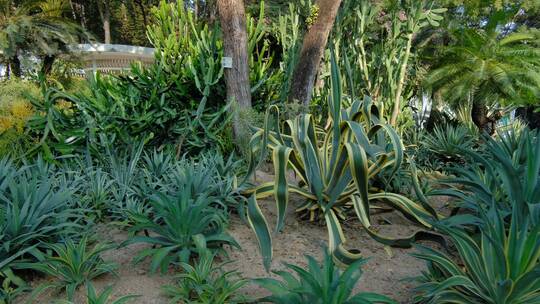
[389, 271]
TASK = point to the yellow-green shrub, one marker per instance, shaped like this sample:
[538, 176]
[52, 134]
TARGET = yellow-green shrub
[15, 110]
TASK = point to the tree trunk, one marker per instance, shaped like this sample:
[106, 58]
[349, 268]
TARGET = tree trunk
[73, 14]
[107, 25]
[233, 23]
[47, 64]
[479, 115]
[15, 66]
[105, 14]
[313, 47]
[143, 12]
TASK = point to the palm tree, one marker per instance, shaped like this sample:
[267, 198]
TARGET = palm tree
[485, 67]
[36, 27]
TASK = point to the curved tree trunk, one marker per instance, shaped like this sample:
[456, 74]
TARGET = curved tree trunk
[233, 23]
[313, 47]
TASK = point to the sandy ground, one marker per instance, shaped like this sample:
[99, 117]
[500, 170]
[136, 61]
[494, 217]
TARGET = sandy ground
[389, 270]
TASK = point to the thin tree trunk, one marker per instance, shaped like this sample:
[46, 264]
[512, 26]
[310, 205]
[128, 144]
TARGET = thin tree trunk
[313, 47]
[73, 14]
[107, 24]
[401, 82]
[143, 12]
[83, 16]
[105, 14]
[47, 64]
[233, 23]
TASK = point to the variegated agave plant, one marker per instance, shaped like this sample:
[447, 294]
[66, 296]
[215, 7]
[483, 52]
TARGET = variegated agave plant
[336, 166]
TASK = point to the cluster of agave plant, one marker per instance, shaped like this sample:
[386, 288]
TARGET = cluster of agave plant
[340, 166]
[343, 166]
[47, 211]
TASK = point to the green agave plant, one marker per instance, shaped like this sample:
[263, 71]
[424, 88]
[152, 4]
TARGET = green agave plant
[97, 195]
[35, 208]
[501, 266]
[92, 297]
[448, 142]
[209, 174]
[206, 283]
[319, 284]
[508, 174]
[337, 167]
[72, 264]
[177, 225]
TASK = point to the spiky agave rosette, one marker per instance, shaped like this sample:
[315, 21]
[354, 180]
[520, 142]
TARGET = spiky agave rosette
[336, 166]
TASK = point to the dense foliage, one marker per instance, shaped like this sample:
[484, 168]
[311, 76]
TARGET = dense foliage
[412, 113]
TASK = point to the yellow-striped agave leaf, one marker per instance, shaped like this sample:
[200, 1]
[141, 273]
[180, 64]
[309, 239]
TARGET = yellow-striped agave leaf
[260, 226]
[335, 168]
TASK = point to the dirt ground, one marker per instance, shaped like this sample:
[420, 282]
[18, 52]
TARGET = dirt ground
[389, 270]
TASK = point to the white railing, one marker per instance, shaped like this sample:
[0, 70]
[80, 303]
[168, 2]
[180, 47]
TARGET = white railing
[111, 58]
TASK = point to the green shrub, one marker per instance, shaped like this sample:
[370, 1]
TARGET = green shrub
[97, 195]
[57, 124]
[11, 287]
[72, 264]
[15, 110]
[146, 105]
[499, 266]
[319, 284]
[211, 174]
[206, 283]
[122, 166]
